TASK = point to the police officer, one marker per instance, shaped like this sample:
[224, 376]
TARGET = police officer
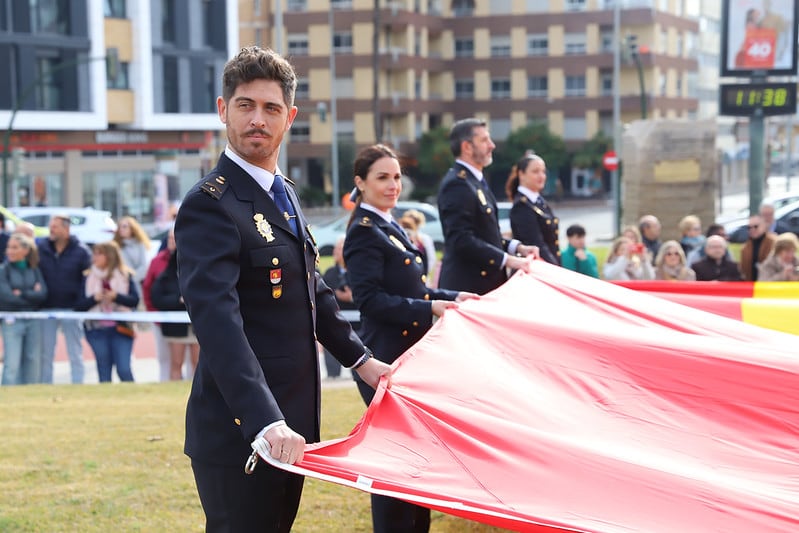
[388, 278]
[532, 220]
[246, 264]
[475, 254]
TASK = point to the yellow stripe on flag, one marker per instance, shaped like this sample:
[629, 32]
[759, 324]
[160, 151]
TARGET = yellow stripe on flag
[775, 289]
[777, 314]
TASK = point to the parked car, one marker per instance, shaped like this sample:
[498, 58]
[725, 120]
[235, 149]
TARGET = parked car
[777, 201]
[12, 221]
[327, 234]
[87, 224]
[788, 214]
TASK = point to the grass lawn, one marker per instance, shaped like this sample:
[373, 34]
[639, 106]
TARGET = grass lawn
[110, 458]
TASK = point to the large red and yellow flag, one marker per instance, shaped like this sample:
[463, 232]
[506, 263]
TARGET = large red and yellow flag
[561, 402]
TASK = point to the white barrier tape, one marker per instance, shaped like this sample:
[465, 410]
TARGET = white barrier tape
[180, 317]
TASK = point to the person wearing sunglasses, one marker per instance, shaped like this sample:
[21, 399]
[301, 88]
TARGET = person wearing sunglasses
[670, 263]
[756, 248]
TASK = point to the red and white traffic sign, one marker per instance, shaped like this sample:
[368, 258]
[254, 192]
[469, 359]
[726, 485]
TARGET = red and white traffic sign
[610, 161]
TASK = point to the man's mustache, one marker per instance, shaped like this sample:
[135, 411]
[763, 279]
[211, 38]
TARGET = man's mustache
[259, 132]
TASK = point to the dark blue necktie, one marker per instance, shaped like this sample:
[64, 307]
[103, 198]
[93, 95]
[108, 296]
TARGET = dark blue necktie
[283, 204]
[397, 226]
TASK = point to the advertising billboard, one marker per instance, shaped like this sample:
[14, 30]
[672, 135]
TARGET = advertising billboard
[758, 38]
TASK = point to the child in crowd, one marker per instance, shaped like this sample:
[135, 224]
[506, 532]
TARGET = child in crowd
[576, 256]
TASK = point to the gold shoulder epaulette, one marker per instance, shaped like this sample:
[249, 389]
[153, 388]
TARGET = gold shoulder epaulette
[215, 187]
[365, 222]
[462, 174]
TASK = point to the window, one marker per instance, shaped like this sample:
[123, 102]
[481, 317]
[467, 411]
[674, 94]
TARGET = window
[256, 8]
[463, 8]
[114, 9]
[575, 85]
[574, 43]
[464, 89]
[537, 86]
[303, 89]
[606, 40]
[209, 98]
[537, 45]
[48, 91]
[341, 4]
[500, 89]
[49, 16]
[575, 5]
[464, 47]
[606, 83]
[168, 21]
[120, 80]
[342, 42]
[574, 128]
[537, 6]
[298, 44]
[170, 77]
[300, 131]
[662, 84]
[296, 5]
[500, 46]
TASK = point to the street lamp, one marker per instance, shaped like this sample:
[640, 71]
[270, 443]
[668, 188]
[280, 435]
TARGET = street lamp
[112, 67]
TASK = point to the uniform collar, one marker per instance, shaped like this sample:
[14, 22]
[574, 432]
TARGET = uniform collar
[529, 193]
[476, 173]
[387, 217]
[262, 177]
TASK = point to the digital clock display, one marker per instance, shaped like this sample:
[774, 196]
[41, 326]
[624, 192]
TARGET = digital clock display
[742, 99]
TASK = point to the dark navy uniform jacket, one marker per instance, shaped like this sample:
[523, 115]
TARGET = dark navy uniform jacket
[536, 225]
[473, 246]
[257, 305]
[388, 278]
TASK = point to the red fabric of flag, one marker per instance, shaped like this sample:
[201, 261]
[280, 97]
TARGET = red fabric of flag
[567, 403]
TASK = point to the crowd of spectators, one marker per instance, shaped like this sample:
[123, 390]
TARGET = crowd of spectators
[58, 272]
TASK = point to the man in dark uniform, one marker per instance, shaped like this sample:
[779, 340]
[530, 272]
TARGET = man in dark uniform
[475, 254]
[247, 273]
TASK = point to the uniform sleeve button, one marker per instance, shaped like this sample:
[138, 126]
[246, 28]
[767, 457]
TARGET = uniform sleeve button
[491, 261]
[407, 261]
[415, 324]
[404, 332]
[426, 296]
[483, 273]
[424, 278]
[237, 421]
[418, 259]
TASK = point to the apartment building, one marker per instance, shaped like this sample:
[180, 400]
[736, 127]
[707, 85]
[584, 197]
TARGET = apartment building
[406, 66]
[112, 102]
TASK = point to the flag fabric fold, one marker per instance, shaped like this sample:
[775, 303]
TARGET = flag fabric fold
[561, 402]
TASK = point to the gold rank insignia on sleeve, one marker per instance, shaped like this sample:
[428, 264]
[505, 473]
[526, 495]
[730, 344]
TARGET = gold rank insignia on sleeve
[263, 227]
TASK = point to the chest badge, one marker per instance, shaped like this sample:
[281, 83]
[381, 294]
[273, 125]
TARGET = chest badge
[481, 197]
[397, 242]
[277, 291]
[263, 227]
[275, 275]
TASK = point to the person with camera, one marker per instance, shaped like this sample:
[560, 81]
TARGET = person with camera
[628, 261]
[781, 263]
